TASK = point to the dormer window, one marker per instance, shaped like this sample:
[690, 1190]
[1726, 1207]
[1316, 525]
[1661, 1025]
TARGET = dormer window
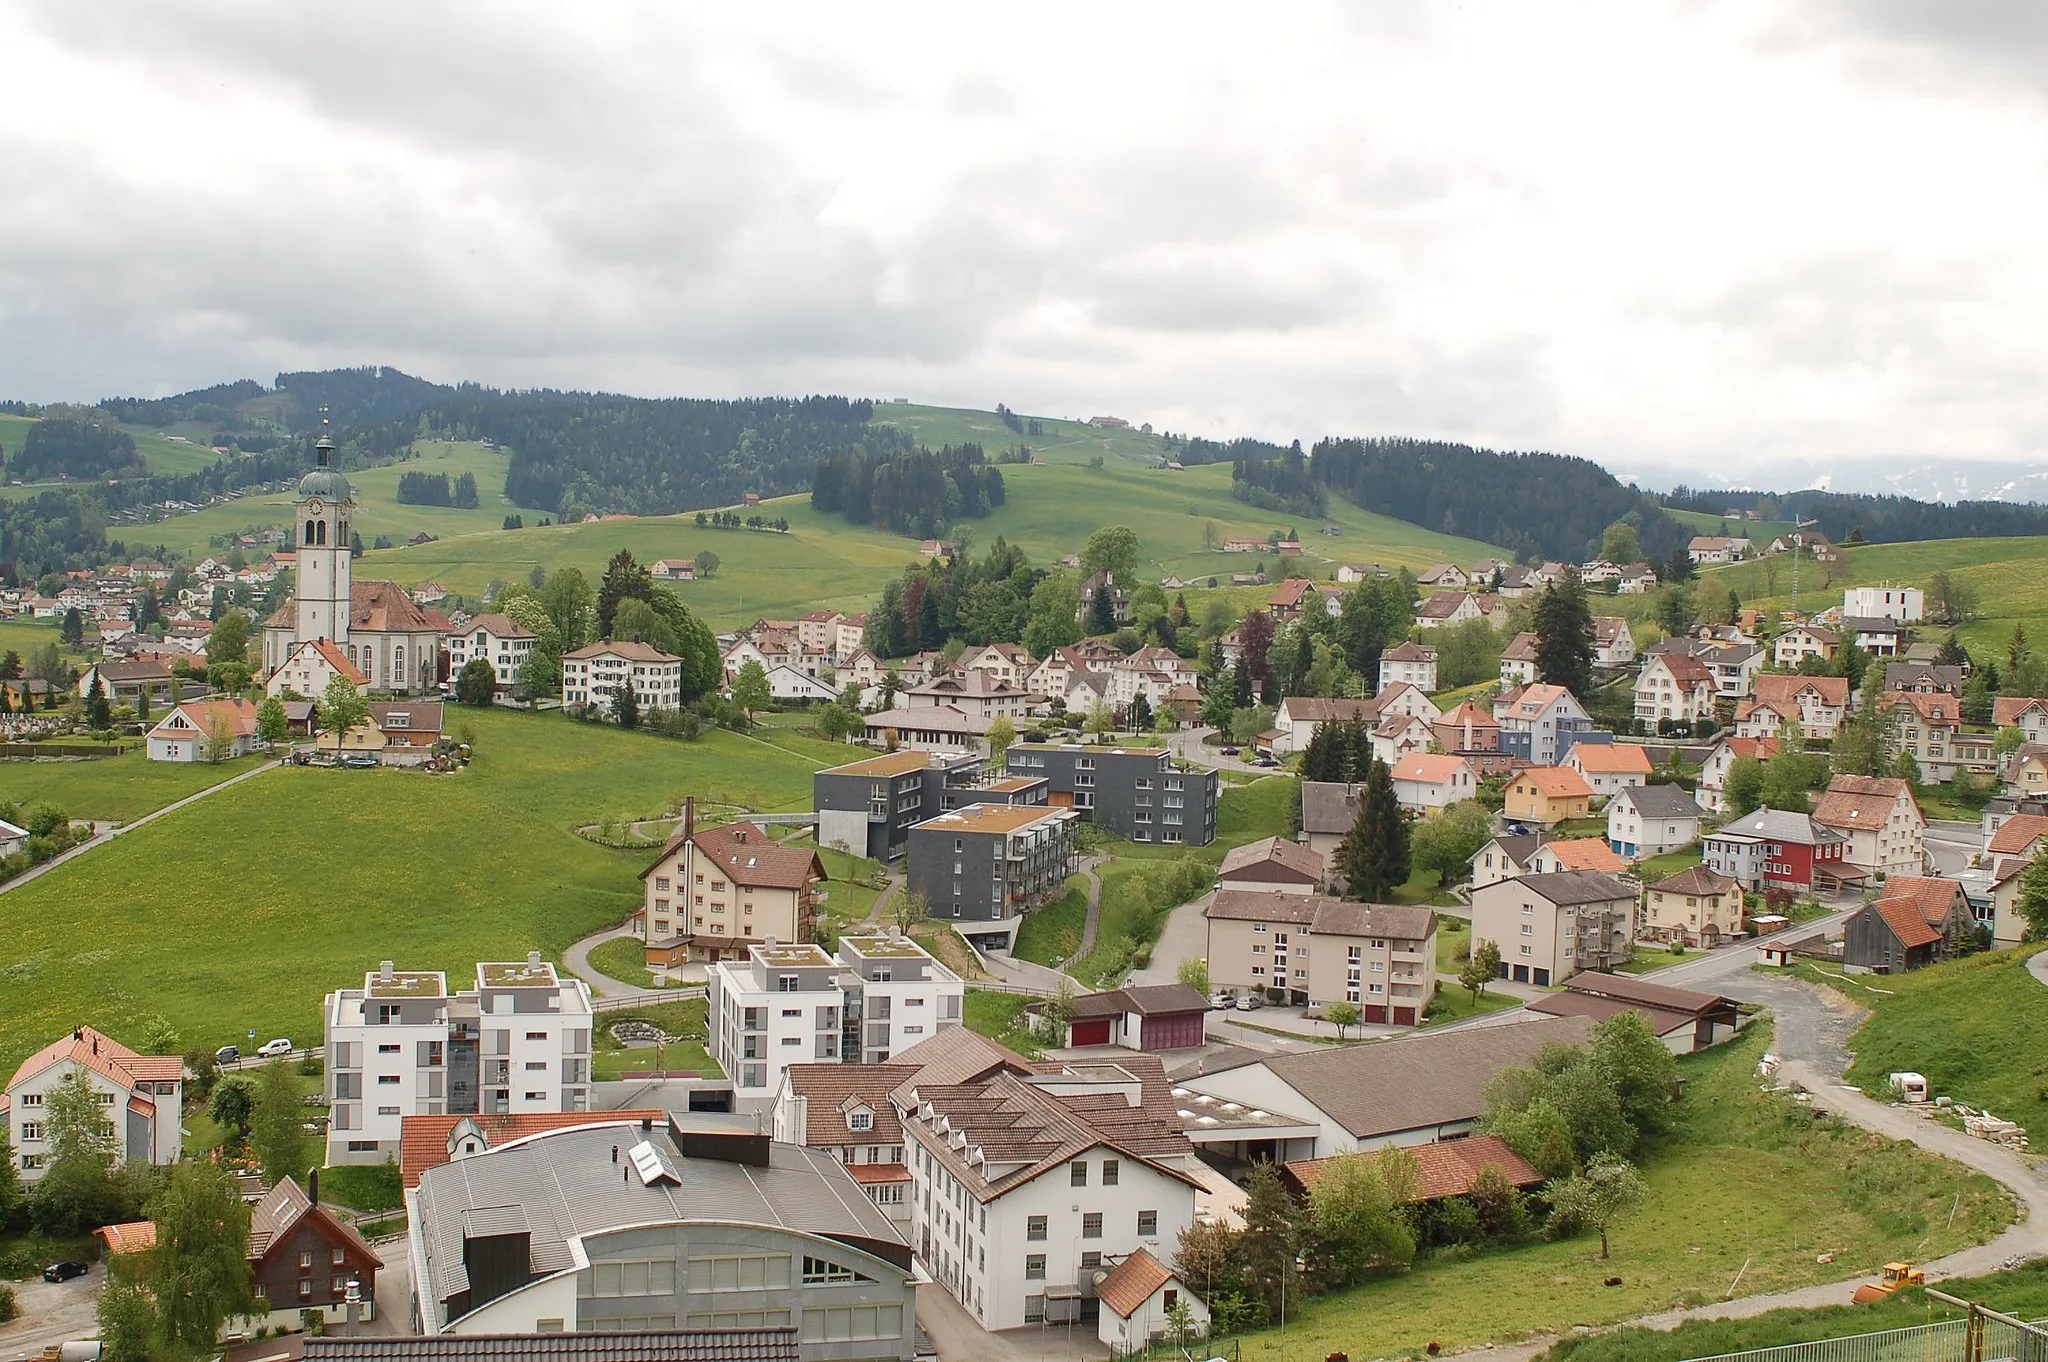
[860, 1118]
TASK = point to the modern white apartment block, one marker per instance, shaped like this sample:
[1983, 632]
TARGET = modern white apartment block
[795, 1004]
[403, 1045]
[896, 995]
[779, 1006]
[1900, 604]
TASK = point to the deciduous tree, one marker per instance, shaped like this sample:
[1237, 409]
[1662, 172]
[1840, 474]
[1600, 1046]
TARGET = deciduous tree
[750, 690]
[1598, 1198]
[1482, 969]
[342, 707]
[198, 1271]
[277, 1132]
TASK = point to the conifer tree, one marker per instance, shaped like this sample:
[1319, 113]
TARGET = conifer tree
[1564, 636]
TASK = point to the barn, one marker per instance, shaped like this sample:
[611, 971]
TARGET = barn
[1150, 1018]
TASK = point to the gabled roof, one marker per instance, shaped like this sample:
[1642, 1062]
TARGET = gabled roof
[1778, 825]
[1428, 768]
[630, 649]
[749, 856]
[1566, 888]
[1448, 1167]
[1327, 806]
[1697, 880]
[374, 608]
[1310, 709]
[2016, 834]
[1133, 1282]
[332, 654]
[1274, 851]
[105, 1056]
[1416, 1082]
[1611, 759]
[497, 625]
[1521, 649]
[2007, 709]
[1860, 801]
[1289, 593]
[1262, 905]
[1555, 782]
[238, 714]
[1686, 670]
[1781, 692]
[1147, 1000]
[1442, 605]
[1820, 633]
[1934, 899]
[1660, 801]
[1905, 922]
[1628, 988]
[1586, 853]
[283, 1208]
[1410, 651]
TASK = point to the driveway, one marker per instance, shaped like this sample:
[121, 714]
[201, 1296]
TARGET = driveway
[53, 1314]
[958, 1338]
[1185, 937]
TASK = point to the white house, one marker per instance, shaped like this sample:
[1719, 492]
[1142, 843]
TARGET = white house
[1610, 767]
[143, 1096]
[498, 639]
[307, 669]
[592, 675]
[1426, 781]
[1802, 641]
[780, 1006]
[787, 684]
[1518, 661]
[1674, 687]
[1613, 644]
[1714, 770]
[1140, 1297]
[1649, 820]
[205, 730]
[1412, 663]
[13, 840]
[1022, 1192]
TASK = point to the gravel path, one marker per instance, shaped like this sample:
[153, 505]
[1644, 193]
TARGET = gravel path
[1087, 871]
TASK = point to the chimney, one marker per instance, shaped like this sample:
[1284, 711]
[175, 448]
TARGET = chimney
[689, 817]
[313, 1185]
[533, 959]
[385, 970]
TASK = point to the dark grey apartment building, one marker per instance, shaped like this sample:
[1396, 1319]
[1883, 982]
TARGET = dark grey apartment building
[868, 807]
[985, 866]
[1136, 792]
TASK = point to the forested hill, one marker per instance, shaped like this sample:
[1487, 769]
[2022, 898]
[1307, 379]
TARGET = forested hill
[1881, 520]
[1549, 505]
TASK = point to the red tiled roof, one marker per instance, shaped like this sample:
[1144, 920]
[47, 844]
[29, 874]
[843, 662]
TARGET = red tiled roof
[1933, 899]
[873, 1174]
[2016, 834]
[105, 1056]
[132, 1236]
[1557, 782]
[339, 661]
[1586, 853]
[1449, 1167]
[1859, 801]
[1620, 758]
[1904, 918]
[1781, 692]
[2007, 709]
[1133, 1282]
[749, 856]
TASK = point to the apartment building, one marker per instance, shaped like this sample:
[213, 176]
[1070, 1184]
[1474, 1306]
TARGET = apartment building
[498, 639]
[777, 1007]
[896, 995]
[1900, 604]
[985, 866]
[714, 892]
[1135, 792]
[593, 675]
[1536, 721]
[403, 1045]
[143, 1096]
[1308, 950]
[868, 807]
[1024, 1186]
[1885, 830]
[1551, 926]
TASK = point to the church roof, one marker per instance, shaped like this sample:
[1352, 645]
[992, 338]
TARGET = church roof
[374, 608]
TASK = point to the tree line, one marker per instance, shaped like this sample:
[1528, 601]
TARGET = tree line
[1548, 506]
[74, 449]
[918, 492]
[1280, 484]
[434, 489]
[1876, 519]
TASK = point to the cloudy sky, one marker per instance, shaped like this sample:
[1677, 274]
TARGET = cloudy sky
[1673, 237]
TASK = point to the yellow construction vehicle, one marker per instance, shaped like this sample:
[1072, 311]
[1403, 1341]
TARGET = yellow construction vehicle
[1894, 1276]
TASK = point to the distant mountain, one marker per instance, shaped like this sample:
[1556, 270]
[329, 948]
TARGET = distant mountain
[1941, 480]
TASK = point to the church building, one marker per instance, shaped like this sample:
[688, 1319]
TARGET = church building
[398, 646]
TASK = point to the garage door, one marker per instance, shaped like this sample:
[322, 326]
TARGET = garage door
[1404, 1016]
[1374, 1012]
[1172, 1031]
[1094, 1032]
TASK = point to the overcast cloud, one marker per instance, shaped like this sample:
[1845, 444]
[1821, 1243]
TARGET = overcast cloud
[1677, 238]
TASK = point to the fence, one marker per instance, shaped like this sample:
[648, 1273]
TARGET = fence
[1979, 1339]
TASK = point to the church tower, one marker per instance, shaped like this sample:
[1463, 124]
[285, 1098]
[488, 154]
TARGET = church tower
[325, 510]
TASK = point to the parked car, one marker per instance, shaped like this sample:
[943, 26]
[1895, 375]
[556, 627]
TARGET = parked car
[1219, 1000]
[227, 1054]
[1230, 751]
[1265, 761]
[271, 1049]
[64, 1269]
[359, 761]
[1247, 1001]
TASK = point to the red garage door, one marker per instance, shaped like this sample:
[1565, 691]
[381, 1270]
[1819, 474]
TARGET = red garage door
[1172, 1031]
[1404, 1016]
[1374, 1012]
[1092, 1032]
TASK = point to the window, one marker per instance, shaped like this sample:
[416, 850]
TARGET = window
[306, 1262]
[1034, 1309]
[31, 1130]
[825, 1272]
[1091, 1225]
[387, 1049]
[387, 1078]
[852, 1322]
[31, 1099]
[751, 1273]
[1148, 1224]
[861, 1120]
[1091, 1259]
[1034, 1228]
[1077, 1173]
[339, 1258]
[306, 1289]
[1034, 1267]
[1109, 1172]
[736, 1319]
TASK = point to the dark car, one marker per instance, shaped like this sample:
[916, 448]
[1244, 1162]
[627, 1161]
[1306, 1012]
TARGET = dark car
[1230, 751]
[360, 761]
[64, 1270]
[227, 1054]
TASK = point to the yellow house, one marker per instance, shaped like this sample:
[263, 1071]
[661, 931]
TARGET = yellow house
[1696, 907]
[1548, 794]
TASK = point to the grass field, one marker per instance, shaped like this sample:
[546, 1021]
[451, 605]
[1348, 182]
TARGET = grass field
[1969, 1025]
[243, 911]
[1745, 1178]
[2008, 574]
[1760, 532]
[2022, 1292]
[379, 510]
[1000, 1017]
[1052, 933]
[112, 789]
[164, 455]
[1062, 441]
